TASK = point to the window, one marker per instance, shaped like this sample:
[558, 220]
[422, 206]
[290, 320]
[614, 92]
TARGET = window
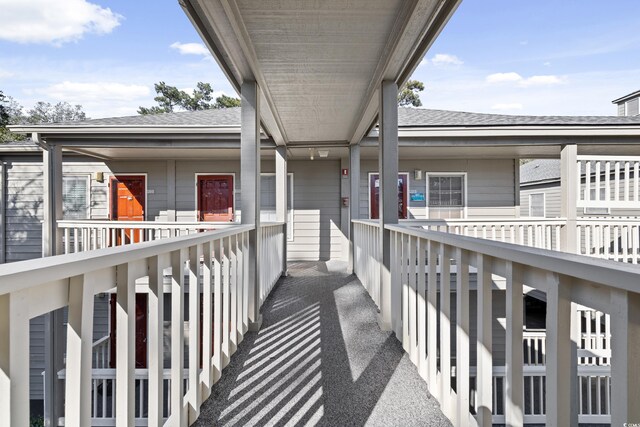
[633, 107]
[536, 205]
[446, 191]
[268, 201]
[75, 197]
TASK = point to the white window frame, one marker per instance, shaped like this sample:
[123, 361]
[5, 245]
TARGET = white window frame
[87, 177]
[291, 215]
[465, 194]
[544, 204]
[369, 191]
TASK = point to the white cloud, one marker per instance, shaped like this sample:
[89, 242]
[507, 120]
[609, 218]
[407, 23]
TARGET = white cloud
[446, 59]
[5, 74]
[503, 78]
[522, 81]
[190, 48]
[55, 22]
[507, 107]
[76, 92]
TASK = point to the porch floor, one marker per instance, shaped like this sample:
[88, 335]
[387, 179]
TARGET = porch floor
[320, 359]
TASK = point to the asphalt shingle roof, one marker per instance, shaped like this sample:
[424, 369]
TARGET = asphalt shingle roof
[540, 170]
[407, 117]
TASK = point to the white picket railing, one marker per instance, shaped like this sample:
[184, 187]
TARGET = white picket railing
[85, 235]
[421, 268]
[535, 232]
[215, 263]
[272, 256]
[615, 238]
[613, 182]
[101, 352]
[366, 245]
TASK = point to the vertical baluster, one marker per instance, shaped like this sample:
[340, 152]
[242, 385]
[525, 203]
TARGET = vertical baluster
[462, 336]
[445, 331]
[484, 358]
[239, 319]
[411, 307]
[226, 300]
[233, 292]
[156, 338]
[616, 244]
[627, 179]
[625, 370]
[14, 366]
[178, 259]
[597, 183]
[636, 182]
[432, 313]
[66, 240]
[206, 376]
[616, 194]
[404, 304]
[217, 310]
[195, 285]
[587, 182]
[561, 363]
[514, 403]
[422, 310]
[245, 275]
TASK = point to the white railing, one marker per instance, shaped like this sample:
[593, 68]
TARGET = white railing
[272, 256]
[615, 238]
[611, 182]
[103, 401]
[215, 264]
[420, 305]
[85, 235]
[101, 352]
[534, 232]
[366, 244]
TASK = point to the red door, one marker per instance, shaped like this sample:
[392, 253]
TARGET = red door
[215, 198]
[127, 202]
[374, 196]
[141, 331]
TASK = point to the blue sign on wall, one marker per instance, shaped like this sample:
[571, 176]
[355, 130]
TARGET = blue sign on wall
[417, 197]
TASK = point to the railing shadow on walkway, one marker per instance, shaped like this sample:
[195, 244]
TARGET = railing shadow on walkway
[320, 359]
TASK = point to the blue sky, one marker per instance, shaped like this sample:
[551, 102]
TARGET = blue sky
[498, 56]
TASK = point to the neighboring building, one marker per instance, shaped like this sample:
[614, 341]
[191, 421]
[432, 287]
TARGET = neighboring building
[628, 105]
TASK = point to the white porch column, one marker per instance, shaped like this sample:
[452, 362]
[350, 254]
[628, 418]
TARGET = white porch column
[55, 333]
[250, 190]
[282, 195]
[569, 189]
[354, 197]
[388, 208]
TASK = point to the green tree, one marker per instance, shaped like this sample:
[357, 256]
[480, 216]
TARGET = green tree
[170, 99]
[409, 94]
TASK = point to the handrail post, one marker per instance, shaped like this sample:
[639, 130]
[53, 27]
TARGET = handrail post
[282, 197]
[570, 189]
[388, 167]
[514, 404]
[250, 195]
[354, 200]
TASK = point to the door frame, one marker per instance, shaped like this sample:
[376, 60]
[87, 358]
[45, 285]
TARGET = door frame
[195, 186]
[369, 191]
[289, 175]
[465, 195]
[112, 177]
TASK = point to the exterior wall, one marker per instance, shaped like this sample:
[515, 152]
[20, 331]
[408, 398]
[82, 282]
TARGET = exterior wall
[490, 185]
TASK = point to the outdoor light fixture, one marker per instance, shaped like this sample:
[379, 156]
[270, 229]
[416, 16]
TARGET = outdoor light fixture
[323, 153]
[417, 174]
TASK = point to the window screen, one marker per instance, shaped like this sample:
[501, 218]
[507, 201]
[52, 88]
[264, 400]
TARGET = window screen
[446, 191]
[74, 197]
[536, 205]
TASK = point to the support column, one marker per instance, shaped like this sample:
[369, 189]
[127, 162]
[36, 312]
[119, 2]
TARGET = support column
[282, 195]
[55, 333]
[344, 209]
[354, 197]
[569, 184]
[388, 207]
[250, 190]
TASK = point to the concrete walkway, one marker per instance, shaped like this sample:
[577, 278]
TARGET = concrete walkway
[320, 359]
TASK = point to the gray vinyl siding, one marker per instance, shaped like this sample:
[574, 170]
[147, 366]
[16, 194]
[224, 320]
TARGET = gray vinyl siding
[552, 200]
[490, 185]
[316, 210]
